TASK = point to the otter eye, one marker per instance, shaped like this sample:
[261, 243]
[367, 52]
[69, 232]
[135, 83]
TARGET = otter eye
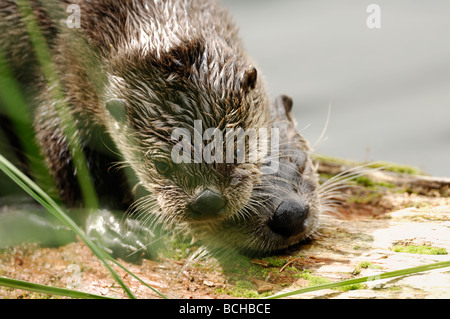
[163, 167]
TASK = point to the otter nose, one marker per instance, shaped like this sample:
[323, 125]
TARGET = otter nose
[289, 219]
[207, 205]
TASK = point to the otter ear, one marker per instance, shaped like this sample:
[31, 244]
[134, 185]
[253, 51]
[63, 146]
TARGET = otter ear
[249, 79]
[287, 102]
[116, 108]
[282, 108]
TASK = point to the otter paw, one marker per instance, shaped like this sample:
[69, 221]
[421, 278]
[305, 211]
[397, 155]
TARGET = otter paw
[120, 238]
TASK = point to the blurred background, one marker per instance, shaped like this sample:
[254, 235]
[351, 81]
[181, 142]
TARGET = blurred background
[389, 88]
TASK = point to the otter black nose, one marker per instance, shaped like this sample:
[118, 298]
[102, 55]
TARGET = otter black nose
[289, 219]
[207, 205]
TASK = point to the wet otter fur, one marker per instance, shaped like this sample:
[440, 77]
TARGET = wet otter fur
[133, 72]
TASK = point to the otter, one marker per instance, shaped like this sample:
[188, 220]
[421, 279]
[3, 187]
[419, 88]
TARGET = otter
[133, 72]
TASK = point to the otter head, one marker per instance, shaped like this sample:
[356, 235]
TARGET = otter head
[161, 105]
[284, 208]
[296, 202]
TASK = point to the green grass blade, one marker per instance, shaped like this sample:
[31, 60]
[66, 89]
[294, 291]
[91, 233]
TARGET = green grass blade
[15, 108]
[391, 274]
[24, 285]
[67, 122]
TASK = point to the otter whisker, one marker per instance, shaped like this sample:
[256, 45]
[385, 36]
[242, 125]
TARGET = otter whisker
[322, 137]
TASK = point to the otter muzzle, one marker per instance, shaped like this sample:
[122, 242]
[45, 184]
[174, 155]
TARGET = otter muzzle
[207, 205]
[289, 219]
